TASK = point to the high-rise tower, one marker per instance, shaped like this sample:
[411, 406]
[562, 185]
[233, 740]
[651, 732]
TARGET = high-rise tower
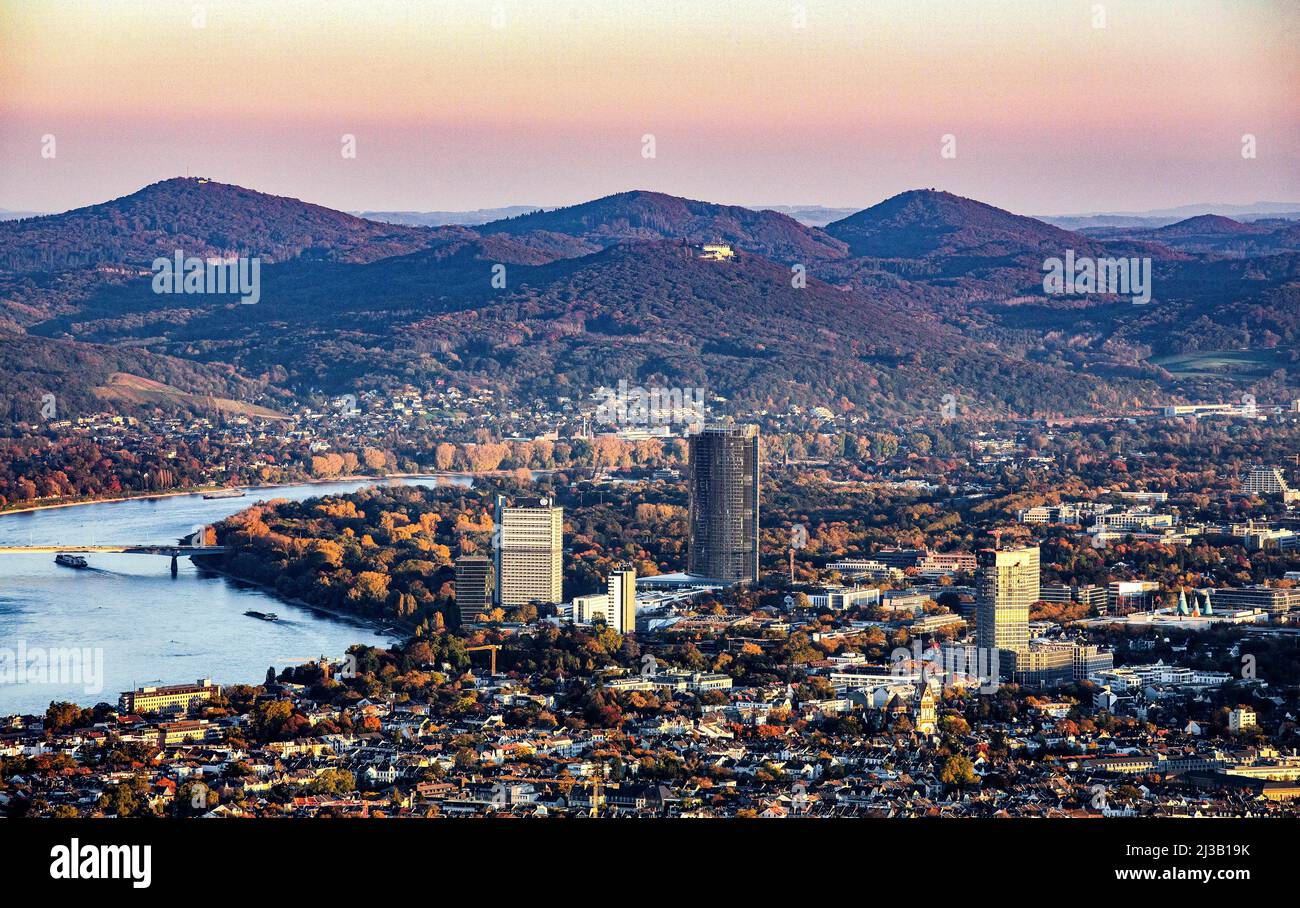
[1007, 585]
[529, 552]
[474, 584]
[724, 465]
[622, 600]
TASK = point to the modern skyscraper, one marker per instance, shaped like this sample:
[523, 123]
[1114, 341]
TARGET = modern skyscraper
[724, 465]
[1006, 586]
[474, 586]
[622, 600]
[529, 551]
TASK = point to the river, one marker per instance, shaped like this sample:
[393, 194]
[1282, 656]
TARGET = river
[135, 623]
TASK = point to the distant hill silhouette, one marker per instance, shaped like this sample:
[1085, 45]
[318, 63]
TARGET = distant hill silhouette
[641, 215]
[923, 222]
[200, 218]
[1212, 234]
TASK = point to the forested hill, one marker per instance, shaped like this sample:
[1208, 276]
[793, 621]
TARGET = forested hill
[201, 218]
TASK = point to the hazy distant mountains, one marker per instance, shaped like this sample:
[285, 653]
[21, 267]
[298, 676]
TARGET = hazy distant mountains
[1161, 217]
[808, 215]
[446, 218]
[7, 215]
[820, 215]
[884, 310]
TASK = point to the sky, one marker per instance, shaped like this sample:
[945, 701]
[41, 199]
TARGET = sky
[1049, 106]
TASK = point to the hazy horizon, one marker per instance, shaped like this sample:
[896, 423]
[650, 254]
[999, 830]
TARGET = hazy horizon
[470, 105]
[1278, 203]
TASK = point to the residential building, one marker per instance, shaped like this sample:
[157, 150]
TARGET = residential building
[1090, 595]
[1263, 480]
[1241, 719]
[839, 599]
[1136, 677]
[184, 731]
[1046, 664]
[590, 609]
[622, 600]
[940, 564]
[1042, 666]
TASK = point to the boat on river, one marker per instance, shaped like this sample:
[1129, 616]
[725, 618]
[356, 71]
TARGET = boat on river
[224, 493]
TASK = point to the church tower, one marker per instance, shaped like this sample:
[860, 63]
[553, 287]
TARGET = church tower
[924, 708]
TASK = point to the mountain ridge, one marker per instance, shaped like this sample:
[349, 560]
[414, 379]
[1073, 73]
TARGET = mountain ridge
[922, 288]
[202, 218]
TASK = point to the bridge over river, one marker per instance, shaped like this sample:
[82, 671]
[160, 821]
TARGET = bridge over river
[172, 551]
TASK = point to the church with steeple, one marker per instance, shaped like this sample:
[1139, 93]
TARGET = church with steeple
[923, 708]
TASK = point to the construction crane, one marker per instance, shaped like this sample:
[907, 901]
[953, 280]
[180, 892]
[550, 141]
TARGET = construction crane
[492, 651]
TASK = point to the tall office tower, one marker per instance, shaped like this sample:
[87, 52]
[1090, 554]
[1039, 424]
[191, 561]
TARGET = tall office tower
[529, 552]
[474, 586]
[724, 465]
[622, 600]
[1006, 586]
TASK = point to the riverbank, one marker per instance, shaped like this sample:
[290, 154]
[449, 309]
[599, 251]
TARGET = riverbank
[392, 629]
[155, 628]
[202, 490]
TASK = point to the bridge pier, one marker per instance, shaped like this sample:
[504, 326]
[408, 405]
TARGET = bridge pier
[173, 565]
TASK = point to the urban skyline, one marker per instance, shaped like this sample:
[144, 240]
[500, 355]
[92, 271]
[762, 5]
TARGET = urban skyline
[578, 411]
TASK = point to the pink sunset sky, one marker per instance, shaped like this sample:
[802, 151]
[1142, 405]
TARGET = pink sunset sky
[459, 105]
